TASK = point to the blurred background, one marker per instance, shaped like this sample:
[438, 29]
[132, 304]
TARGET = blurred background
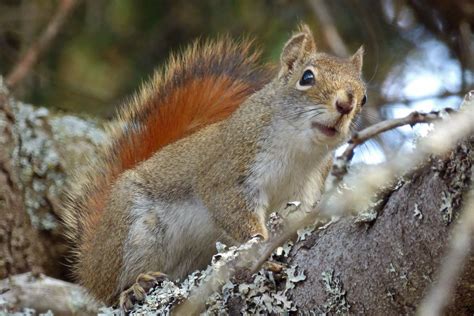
[419, 53]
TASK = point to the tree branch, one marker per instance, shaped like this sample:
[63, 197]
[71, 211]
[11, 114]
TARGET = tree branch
[24, 65]
[340, 166]
[333, 38]
[444, 94]
[28, 290]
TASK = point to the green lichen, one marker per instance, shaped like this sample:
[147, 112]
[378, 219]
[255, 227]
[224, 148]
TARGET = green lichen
[41, 172]
[48, 146]
[417, 212]
[378, 202]
[265, 293]
[446, 208]
[455, 170]
[391, 268]
[69, 127]
[336, 302]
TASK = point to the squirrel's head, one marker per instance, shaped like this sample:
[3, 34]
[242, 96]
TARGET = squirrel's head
[323, 93]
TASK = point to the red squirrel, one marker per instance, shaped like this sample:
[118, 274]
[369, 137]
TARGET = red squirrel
[204, 152]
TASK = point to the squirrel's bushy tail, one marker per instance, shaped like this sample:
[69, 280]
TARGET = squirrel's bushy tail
[203, 85]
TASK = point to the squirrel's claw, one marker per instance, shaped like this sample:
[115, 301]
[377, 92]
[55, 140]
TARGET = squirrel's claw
[275, 267]
[150, 279]
[129, 297]
[137, 292]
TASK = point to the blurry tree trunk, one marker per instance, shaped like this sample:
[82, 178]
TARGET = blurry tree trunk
[20, 246]
[63, 298]
[37, 151]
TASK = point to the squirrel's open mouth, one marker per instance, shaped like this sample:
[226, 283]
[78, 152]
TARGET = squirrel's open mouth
[326, 130]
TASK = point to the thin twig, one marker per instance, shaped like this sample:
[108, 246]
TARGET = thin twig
[341, 164]
[30, 58]
[441, 95]
[466, 51]
[333, 39]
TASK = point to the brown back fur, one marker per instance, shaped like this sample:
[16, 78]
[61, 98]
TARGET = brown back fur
[203, 85]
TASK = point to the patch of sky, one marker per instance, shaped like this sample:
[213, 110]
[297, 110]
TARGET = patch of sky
[427, 73]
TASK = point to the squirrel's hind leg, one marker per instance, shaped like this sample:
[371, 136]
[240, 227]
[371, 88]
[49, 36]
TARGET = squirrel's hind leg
[137, 292]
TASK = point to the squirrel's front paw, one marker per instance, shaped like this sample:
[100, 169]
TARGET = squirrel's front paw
[137, 292]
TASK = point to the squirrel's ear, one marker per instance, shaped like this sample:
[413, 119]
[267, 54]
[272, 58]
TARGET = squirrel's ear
[358, 57]
[300, 45]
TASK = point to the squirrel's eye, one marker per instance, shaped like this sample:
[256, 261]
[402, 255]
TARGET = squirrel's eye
[307, 79]
[364, 100]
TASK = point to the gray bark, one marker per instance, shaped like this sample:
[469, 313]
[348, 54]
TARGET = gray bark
[385, 267]
[63, 298]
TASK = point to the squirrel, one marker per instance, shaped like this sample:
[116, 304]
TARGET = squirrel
[204, 152]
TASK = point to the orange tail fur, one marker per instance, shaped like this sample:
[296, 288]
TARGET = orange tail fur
[201, 86]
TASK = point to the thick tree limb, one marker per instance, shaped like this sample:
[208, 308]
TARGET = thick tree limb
[460, 249]
[43, 293]
[386, 265]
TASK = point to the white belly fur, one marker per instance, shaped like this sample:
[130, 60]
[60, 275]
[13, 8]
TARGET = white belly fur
[175, 246]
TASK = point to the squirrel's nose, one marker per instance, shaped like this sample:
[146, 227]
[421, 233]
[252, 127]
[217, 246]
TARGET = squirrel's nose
[344, 104]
